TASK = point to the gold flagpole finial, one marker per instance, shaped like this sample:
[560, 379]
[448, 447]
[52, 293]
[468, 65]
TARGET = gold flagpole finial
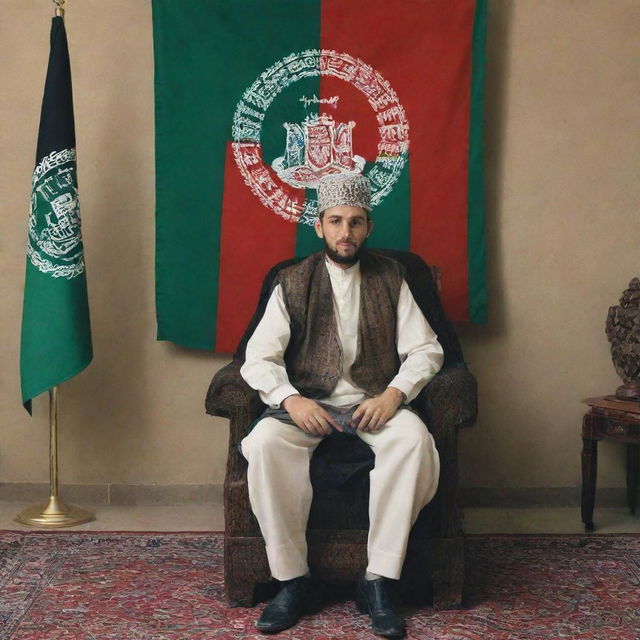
[59, 8]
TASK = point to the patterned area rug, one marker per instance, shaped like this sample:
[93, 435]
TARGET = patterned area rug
[110, 586]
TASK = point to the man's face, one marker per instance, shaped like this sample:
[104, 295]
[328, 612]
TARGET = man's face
[344, 230]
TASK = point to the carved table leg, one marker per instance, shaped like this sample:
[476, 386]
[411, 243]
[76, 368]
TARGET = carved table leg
[632, 475]
[589, 469]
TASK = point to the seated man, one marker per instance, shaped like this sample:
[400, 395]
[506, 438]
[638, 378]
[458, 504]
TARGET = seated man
[342, 345]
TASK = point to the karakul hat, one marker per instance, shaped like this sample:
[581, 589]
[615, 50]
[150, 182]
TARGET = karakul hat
[344, 189]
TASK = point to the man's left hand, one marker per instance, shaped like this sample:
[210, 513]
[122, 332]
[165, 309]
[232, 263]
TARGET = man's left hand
[374, 413]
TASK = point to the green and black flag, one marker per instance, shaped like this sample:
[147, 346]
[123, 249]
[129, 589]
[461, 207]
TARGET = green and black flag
[56, 333]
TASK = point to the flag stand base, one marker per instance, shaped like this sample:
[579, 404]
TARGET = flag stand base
[54, 514]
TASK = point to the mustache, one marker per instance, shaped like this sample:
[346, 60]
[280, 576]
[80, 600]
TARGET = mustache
[336, 257]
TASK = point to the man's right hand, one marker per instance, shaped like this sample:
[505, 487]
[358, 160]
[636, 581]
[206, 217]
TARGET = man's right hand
[309, 416]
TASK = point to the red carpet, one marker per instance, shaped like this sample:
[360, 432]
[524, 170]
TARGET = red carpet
[123, 586]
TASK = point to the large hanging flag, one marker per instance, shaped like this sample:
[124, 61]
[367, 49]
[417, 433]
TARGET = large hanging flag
[256, 101]
[56, 335]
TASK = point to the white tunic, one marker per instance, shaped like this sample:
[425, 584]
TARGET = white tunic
[420, 353]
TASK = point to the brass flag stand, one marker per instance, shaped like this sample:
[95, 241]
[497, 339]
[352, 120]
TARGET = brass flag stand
[56, 513]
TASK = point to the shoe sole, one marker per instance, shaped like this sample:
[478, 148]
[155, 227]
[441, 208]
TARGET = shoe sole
[274, 630]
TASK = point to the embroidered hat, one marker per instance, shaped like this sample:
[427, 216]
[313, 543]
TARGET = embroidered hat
[344, 189]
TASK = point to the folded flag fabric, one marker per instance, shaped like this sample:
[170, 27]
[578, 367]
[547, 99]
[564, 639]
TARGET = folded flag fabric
[56, 333]
[256, 101]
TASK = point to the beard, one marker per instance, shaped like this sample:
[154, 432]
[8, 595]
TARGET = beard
[336, 257]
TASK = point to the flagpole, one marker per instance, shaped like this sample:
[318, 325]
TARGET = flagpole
[56, 513]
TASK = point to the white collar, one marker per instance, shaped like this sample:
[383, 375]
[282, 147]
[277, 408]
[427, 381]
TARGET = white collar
[337, 272]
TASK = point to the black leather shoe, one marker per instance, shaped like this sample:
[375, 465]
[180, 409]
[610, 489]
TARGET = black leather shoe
[374, 600]
[287, 607]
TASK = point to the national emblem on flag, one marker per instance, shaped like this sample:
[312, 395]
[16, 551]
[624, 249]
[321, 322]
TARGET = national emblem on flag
[56, 334]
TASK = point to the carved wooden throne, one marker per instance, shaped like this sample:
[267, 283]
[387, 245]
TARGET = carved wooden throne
[338, 523]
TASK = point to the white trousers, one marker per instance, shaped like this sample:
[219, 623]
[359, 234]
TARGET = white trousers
[404, 480]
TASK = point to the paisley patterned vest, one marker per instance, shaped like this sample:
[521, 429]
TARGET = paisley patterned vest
[314, 355]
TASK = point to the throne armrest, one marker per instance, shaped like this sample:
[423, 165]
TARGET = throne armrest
[449, 400]
[229, 396]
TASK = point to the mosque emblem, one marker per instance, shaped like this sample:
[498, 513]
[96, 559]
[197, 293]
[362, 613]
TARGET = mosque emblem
[315, 148]
[55, 241]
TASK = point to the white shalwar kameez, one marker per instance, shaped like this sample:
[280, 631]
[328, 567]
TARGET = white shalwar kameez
[405, 476]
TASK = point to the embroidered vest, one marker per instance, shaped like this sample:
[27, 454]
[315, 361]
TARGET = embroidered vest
[314, 355]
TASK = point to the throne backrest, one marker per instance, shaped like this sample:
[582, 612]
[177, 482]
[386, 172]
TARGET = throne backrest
[419, 277]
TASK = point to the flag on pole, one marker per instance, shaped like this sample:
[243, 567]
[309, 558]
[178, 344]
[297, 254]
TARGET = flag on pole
[256, 101]
[56, 334]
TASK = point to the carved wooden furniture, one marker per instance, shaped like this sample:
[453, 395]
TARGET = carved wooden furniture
[338, 524]
[614, 419]
[623, 332]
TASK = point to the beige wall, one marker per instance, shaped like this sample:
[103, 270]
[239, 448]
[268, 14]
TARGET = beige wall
[563, 233]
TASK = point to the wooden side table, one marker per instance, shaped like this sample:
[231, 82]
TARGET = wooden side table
[614, 419]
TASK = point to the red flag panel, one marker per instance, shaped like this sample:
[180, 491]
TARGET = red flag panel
[252, 240]
[424, 50]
